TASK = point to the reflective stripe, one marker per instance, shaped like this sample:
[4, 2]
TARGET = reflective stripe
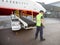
[38, 19]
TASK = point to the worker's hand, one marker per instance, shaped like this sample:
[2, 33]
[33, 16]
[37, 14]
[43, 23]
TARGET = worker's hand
[43, 26]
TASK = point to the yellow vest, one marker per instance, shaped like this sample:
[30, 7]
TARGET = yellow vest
[38, 19]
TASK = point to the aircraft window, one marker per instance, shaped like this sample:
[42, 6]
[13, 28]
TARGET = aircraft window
[16, 2]
[13, 1]
[10, 1]
[3, 0]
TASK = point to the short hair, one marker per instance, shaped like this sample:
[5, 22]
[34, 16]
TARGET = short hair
[41, 11]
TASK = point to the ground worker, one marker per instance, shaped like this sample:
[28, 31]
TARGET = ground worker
[39, 25]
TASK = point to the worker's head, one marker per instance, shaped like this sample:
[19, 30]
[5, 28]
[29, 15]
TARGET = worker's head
[41, 11]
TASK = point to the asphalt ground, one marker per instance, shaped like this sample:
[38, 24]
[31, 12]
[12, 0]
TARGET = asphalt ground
[26, 37]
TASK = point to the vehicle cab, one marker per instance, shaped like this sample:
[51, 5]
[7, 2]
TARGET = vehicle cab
[15, 24]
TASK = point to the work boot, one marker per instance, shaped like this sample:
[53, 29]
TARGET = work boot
[35, 38]
[42, 39]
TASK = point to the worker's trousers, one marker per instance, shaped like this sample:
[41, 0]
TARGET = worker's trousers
[39, 29]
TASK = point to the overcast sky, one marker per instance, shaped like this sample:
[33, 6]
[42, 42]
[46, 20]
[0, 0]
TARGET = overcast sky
[46, 1]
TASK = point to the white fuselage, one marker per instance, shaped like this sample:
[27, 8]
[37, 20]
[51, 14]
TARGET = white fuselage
[21, 5]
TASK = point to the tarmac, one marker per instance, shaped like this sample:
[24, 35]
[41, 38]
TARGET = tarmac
[26, 37]
[5, 22]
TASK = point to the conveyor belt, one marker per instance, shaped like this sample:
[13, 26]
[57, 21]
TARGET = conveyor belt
[29, 22]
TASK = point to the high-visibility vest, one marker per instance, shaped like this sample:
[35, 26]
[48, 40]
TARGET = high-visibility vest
[38, 19]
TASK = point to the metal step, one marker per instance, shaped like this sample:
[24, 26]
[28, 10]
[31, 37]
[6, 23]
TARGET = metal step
[29, 22]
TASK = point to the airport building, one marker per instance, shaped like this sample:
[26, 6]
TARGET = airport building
[53, 9]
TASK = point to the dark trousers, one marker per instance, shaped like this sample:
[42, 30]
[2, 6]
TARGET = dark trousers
[39, 29]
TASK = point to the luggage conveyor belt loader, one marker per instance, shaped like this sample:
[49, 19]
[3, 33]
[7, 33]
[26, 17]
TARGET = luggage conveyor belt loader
[25, 23]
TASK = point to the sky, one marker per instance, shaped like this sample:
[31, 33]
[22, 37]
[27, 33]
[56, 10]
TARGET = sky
[46, 1]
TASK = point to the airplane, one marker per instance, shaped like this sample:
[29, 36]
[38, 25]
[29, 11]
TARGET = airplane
[20, 8]
[7, 6]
